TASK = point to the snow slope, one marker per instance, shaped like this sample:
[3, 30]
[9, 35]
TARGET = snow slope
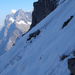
[42, 55]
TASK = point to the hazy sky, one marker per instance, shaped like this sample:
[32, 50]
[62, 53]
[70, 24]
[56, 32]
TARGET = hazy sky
[7, 5]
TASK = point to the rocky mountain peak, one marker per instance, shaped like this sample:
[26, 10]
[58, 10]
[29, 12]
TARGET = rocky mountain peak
[20, 11]
[15, 25]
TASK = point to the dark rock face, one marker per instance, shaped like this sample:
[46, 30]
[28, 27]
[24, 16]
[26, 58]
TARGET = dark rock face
[74, 53]
[71, 65]
[41, 9]
[64, 56]
[36, 33]
[71, 74]
[65, 23]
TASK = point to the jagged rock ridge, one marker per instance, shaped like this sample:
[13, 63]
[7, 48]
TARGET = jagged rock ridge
[41, 9]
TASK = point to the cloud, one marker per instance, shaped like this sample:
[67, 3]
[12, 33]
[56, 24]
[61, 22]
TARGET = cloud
[12, 11]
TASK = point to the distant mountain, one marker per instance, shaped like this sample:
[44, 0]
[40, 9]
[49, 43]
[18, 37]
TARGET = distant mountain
[15, 25]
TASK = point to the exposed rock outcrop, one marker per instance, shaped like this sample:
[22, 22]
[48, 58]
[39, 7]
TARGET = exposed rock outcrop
[71, 65]
[65, 23]
[41, 9]
[36, 33]
[74, 53]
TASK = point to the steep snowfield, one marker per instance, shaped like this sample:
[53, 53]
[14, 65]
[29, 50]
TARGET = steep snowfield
[42, 55]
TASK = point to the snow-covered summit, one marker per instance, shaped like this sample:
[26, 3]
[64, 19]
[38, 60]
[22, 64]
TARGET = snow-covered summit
[12, 11]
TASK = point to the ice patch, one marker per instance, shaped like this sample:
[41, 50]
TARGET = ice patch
[29, 23]
[21, 22]
[11, 19]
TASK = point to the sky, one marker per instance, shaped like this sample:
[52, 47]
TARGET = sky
[7, 5]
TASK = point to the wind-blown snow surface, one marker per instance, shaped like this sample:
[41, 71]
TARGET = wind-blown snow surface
[42, 56]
